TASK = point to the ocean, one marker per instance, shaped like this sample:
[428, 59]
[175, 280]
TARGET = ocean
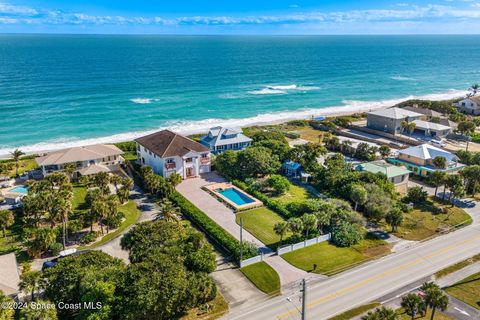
[63, 90]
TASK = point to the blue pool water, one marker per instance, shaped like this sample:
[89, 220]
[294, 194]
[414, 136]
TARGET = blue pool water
[236, 196]
[19, 189]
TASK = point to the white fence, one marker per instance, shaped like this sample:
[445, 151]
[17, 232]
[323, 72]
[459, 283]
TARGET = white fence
[303, 244]
[250, 261]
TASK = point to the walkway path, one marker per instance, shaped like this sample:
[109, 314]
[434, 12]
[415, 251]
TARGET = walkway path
[149, 210]
[192, 190]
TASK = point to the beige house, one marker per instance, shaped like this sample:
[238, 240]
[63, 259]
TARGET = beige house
[88, 159]
[9, 275]
[419, 159]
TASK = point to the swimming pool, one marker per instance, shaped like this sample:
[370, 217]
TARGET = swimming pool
[19, 189]
[236, 196]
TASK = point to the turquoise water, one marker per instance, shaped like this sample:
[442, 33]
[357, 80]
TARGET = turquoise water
[63, 90]
[236, 196]
[19, 189]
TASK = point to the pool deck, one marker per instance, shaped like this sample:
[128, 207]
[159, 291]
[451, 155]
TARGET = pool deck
[225, 185]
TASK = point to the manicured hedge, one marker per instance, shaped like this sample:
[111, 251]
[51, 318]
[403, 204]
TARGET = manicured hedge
[275, 205]
[202, 221]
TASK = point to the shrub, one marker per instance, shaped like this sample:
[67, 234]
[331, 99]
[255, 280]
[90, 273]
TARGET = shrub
[279, 183]
[292, 135]
[416, 195]
[298, 123]
[56, 248]
[115, 221]
[89, 237]
[347, 234]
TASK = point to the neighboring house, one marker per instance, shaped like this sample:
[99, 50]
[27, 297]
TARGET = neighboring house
[168, 152]
[431, 129]
[9, 275]
[470, 105]
[419, 159]
[390, 120]
[398, 175]
[221, 139]
[87, 159]
[427, 114]
[294, 169]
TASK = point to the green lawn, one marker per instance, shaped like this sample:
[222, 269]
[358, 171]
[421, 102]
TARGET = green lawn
[331, 259]
[12, 240]
[131, 213]
[259, 222]
[79, 193]
[296, 193]
[467, 290]
[350, 314]
[421, 223]
[26, 164]
[263, 277]
[457, 266]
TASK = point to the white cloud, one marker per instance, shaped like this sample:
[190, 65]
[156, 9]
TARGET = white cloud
[404, 13]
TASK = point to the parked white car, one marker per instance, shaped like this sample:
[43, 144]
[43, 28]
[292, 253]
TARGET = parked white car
[438, 143]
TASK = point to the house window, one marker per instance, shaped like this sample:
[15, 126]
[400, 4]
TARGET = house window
[144, 149]
[150, 152]
[463, 104]
[170, 160]
[204, 155]
[188, 160]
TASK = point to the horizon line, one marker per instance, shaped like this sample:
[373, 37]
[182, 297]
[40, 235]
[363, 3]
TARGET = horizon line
[241, 34]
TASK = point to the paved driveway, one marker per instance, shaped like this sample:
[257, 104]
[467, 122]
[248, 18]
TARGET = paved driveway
[225, 217]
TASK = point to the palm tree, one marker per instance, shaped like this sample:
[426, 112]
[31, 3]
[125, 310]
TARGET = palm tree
[115, 180]
[98, 212]
[434, 297]
[168, 211]
[309, 222]
[437, 179]
[6, 313]
[440, 162]
[16, 154]
[30, 280]
[175, 179]
[6, 220]
[295, 225]
[404, 125]
[127, 183]
[112, 204]
[413, 305]
[384, 151]
[65, 208]
[475, 88]
[280, 229]
[69, 169]
[411, 128]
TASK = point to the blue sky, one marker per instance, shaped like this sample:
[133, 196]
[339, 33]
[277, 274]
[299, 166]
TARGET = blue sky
[241, 17]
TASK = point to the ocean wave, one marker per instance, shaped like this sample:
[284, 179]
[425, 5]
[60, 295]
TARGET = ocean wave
[267, 91]
[282, 89]
[190, 127]
[402, 78]
[143, 100]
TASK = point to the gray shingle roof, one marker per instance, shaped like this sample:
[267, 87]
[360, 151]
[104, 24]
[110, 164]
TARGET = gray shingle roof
[426, 152]
[86, 153]
[395, 113]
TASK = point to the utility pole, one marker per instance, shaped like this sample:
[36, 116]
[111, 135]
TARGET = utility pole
[304, 299]
[241, 239]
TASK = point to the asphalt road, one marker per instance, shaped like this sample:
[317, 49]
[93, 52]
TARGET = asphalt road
[371, 281]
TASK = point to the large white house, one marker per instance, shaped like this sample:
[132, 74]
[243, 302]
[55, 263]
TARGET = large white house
[221, 139]
[168, 152]
[87, 159]
[470, 105]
